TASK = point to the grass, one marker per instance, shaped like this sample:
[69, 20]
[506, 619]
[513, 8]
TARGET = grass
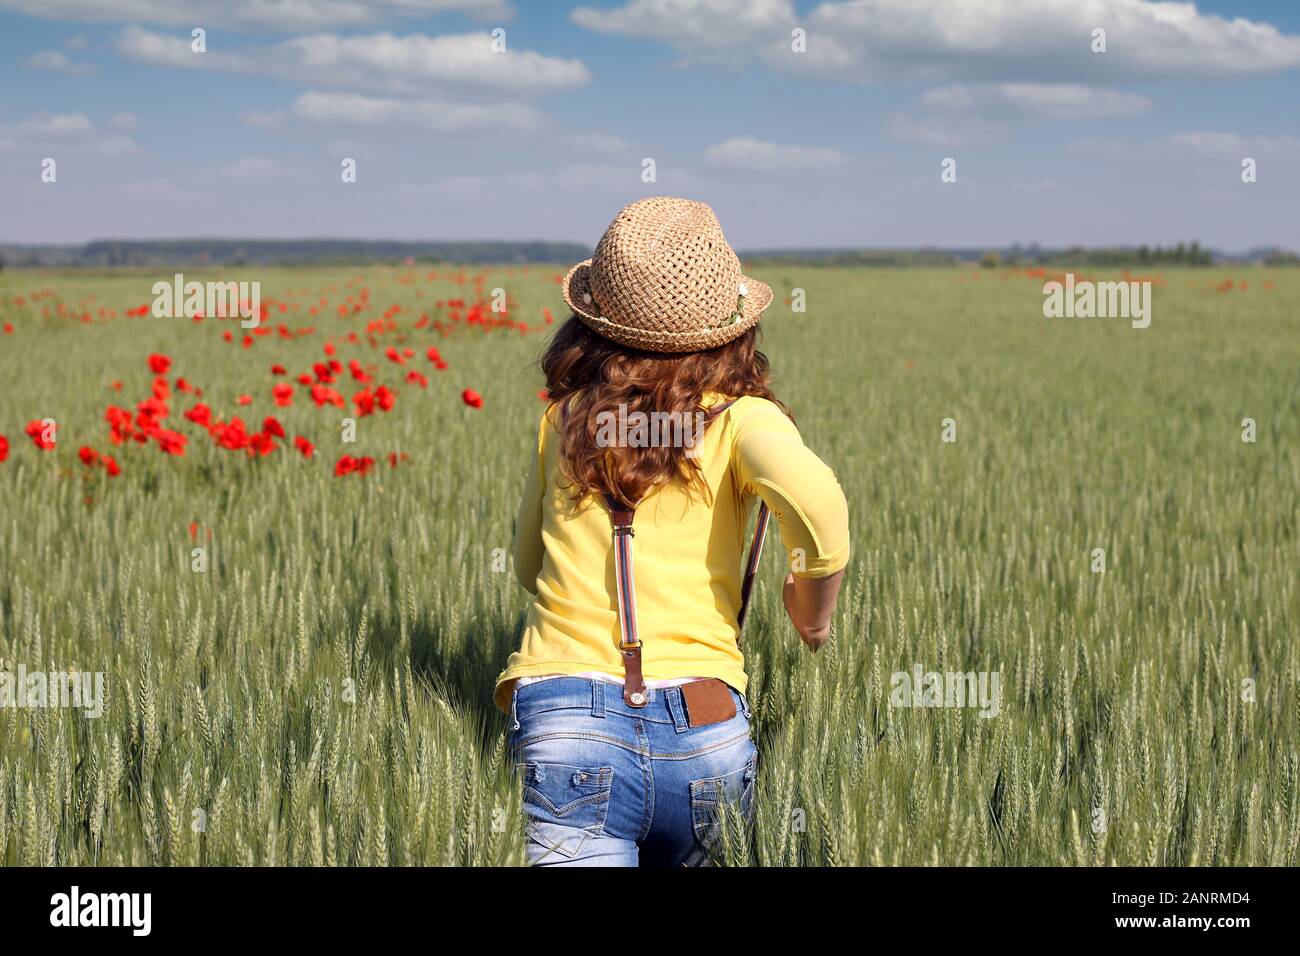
[321, 693]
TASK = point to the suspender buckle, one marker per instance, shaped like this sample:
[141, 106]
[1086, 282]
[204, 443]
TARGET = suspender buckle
[624, 531]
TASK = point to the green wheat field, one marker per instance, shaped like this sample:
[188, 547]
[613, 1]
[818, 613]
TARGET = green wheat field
[320, 694]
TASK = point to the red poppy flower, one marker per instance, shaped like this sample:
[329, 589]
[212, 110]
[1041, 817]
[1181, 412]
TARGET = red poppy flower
[88, 455]
[110, 465]
[416, 378]
[277, 370]
[471, 398]
[120, 424]
[394, 356]
[36, 430]
[171, 443]
[231, 434]
[150, 412]
[260, 444]
[159, 364]
[244, 399]
[304, 446]
[365, 402]
[272, 426]
[385, 398]
[4, 448]
[283, 394]
[326, 396]
[9, 330]
[200, 414]
[348, 465]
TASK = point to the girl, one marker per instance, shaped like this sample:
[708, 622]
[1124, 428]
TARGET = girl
[628, 718]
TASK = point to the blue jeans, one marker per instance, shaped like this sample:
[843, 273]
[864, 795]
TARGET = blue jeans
[606, 784]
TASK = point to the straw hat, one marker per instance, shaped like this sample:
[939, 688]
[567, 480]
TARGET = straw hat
[664, 279]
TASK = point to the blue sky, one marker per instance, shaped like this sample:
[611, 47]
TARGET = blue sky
[837, 145]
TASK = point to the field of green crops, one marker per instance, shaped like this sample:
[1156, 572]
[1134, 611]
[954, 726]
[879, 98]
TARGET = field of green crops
[320, 694]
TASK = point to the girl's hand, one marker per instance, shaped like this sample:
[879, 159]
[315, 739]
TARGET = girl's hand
[818, 595]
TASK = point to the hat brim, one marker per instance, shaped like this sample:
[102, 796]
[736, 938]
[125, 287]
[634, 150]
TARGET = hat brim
[577, 284]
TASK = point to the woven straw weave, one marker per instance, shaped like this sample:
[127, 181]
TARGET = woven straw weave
[664, 279]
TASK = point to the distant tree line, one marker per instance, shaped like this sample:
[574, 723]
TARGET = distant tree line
[238, 253]
[1183, 254]
[241, 252]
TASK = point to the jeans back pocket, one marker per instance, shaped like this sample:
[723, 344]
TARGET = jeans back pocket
[734, 790]
[566, 806]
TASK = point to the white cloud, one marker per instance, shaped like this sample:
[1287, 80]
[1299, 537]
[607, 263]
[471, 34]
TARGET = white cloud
[45, 127]
[124, 121]
[944, 40]
[58, 63]
[161, 191]
[379, 62]
[115, 146]
[1213, 147]
[73, 132]
[1232, 147]
[158, 49]
[620, 179]
[757, 155]
[940, 133]
[352, 109]
[291, 15]
[601, 144]
[477, 188]
[419, 62]
[75, 42]
[252, 169]
[1058, 101]
[972, 114]
[695, 27]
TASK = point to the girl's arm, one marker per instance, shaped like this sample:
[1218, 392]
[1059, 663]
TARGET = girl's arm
[772, 461]
[528, 523]
[810, 602]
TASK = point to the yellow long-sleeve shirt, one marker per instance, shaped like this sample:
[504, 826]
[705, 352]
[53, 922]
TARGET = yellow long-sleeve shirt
[688, 554]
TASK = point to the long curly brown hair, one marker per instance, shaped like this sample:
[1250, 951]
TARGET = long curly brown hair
[587, 374]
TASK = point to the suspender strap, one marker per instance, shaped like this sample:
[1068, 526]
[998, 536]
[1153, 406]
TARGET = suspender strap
[629, 644]
[751, 566]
